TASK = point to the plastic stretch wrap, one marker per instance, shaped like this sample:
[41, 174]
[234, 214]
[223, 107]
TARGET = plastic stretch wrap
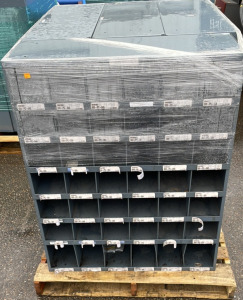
[104, 101]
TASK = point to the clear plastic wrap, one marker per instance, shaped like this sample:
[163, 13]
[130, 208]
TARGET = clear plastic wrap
[106, 101]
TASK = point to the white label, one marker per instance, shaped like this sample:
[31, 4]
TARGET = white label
[206, 194]
[78, 170]
[143, 195]
[52, 221]
[174, 168]
[142, 104]
[84, 220]
[109, 169]
[46, 170]
[72, 139]
[209, 167]
[37, 140]
[199, 269]
[175, 195]
[170, 242]
[111, 196]
[69, 106]
[142, 138]
[105, 105]
[138, 220]
[30, 106]
[87, 243]
[113, 220]
[114, 242]
[177, 103]
[90, 269]
[60, 270]
[217, 102]
[58, 244]
[213, 136]
[202, 242]
[178, 137]
[117, 269]
[50, 196]
[106, 139]
[171, 269]
[141, 269]
[172, 219]
[81, 196]
[144, 242]
[138, 169]
[198, 220]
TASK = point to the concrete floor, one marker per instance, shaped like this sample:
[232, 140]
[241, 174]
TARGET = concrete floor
[21, 246]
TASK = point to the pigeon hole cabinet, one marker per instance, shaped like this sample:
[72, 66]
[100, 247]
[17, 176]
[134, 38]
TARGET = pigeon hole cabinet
[126, 121]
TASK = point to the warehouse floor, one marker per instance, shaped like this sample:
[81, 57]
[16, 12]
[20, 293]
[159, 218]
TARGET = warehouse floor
[21, 247]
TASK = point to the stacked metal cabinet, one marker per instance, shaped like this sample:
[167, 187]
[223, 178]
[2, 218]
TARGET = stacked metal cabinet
[126, 115]
[16, 17]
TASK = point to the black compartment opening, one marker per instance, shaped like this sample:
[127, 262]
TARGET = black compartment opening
[143, 231]
[205, 206]
[149, 183]
[53, 208]
[48, 183]
[112, 183]
[89, 231]
[81, 183]
[173, 207]
[115, 231]
[63, 257]
[208, 181]
[169, 256]
[143, 256]
[199, 256]
[171, 230]
[176, 181]
[143, 207]
[58, 233]
[118, 258]
[209, 231]
[114, 208]
[92, 257]
[84, 208]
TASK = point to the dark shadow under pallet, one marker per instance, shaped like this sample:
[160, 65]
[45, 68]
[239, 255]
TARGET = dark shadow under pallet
[219, 284]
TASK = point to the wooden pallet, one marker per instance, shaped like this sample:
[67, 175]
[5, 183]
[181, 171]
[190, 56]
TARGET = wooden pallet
[9, 144]
[219, 284]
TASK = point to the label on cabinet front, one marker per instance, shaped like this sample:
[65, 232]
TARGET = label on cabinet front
[50, 196]
[178, 137]
[117, 269]
[199, 269]
[84, 220]
[206, 194]
[173, 219]
[110, 169]
[141, 220]
[111, 196]
[104, 105]
[202, 242]
[177, 103]
[142, 104]
[143, 269]
[90, 269]
[174, 168]
[113, 220]
[144, 242]
[142, 138]
[106, 139]
[209, 167]
[81, 196]
[217, 102]
[213, 136]
[46, 170]
[60, 270]
[30, 106]
[69, 106]
[72, 139]
[171, 269]
[175, 195]
[37, 140]
[143, 195]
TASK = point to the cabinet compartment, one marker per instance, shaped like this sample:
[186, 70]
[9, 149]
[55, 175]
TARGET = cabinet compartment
[48, 183]
[206, 181]
[63, 257]
[114, 208]
[143, 231]
[120, 257]
[80, 183]
[58, 233]
[143, 207]
[87, 231]
[149, 183]
[84, 208]
[172, 230]
[53, 208]
[173, 207]
[92, 257]
[176, 181]
[115, 231]
[169, 256]
[205, 206]
[112, 183]
[209, 231]
[199, 256]
[144, 256]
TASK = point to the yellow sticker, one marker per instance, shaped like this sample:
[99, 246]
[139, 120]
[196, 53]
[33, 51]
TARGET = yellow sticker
[27, 75]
